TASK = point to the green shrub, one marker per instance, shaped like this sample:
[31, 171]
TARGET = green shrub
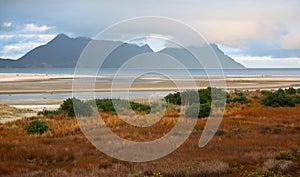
[295, 99]
[107, 105]
[49, 112]
[205, 96]
[193, 111]
[140, 107]
[266, 93]
[278, 99]
[290, 91]
[298, 90]
[82, 108]
[238, 97]
[173, 98]
[283, 155]
[189, 97]
[36, 127]
[204, 110]
[198, 110]
[157, 107]
[241, 99]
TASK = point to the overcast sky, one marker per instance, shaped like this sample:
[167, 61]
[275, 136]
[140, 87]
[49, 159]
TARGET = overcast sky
[256, 33]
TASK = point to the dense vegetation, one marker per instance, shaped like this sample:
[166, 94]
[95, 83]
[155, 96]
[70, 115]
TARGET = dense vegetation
[281, 98]
[67, 107]
[198, 110]
[237, 97]
[84, 108]
[107, 105]
[206, 97]
[36, 127]
[71, 105]
[201, 104]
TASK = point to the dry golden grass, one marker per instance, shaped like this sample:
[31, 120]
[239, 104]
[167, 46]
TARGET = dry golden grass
[11, 113]
[249, 137]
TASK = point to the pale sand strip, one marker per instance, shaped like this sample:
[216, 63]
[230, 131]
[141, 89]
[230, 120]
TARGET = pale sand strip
[59, 83]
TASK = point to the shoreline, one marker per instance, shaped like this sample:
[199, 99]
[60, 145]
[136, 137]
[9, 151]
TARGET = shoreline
[36, 92]
[48, 87]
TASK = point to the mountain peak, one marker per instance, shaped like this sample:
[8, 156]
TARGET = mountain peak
[61, 36]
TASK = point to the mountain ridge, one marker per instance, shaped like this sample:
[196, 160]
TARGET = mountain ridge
[64, 52]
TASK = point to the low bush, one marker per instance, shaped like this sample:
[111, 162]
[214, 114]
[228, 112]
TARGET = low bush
[278, 99]
[36, 127]
[49, 112]
[283, 155]
[204, 110]
[238, 97]
[157, 107]
[205, 96]
[173, 98]
[140, 107]
[266, 93]
[241, 99]
[67, 107]
[193, 111]
[70, 105]
[198, 110]
[290, 91]
[295, 99]
[279, 166]
[107, 105]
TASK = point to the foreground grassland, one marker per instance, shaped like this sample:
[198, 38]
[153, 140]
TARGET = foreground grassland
[253, 140]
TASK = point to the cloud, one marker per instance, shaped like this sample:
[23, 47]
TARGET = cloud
[290, 40]
[23, 38]
[18, 45]
[230, 22]
[7, 24]
[268, 62]
[249, 28]
[34, 28]
[261, 48]
[6, 36]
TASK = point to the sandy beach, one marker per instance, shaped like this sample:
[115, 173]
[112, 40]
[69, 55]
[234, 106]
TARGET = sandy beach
[60, 83]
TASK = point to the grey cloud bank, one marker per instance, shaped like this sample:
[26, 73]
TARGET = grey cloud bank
[232, 23]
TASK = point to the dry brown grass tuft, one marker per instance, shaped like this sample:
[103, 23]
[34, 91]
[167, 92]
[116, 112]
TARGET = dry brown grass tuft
[281, 166]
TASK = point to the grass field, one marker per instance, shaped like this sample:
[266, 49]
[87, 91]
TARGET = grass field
[251, 139]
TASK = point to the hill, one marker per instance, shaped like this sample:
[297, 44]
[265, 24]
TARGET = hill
[64, 52]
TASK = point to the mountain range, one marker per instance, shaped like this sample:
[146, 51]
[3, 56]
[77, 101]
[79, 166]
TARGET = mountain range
[64, 52]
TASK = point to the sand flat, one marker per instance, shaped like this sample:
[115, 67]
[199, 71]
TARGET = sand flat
[60, 83]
